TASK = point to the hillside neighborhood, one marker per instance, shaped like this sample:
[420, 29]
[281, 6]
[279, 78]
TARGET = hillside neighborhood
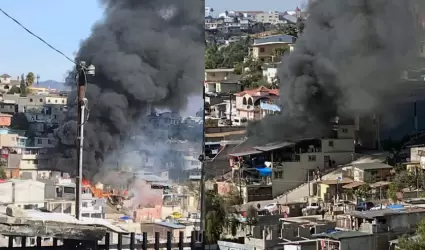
[297, 145]
[349, 189]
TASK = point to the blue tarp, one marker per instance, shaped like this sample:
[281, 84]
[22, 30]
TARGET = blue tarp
[265, 171]
[395, 206]
[125, 217]
[271, 107]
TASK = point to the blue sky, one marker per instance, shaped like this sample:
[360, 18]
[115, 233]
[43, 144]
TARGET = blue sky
[220, 6]
[62, 23]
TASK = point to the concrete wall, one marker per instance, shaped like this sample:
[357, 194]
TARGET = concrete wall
[224, 245]
[363, 243]
[218, 76]
[22, 192]
[338, 145]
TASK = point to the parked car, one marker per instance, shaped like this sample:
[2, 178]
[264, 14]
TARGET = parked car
[312, 208]
[364, 206]
[176, 215]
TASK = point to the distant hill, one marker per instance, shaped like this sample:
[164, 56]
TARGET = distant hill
[52, 85]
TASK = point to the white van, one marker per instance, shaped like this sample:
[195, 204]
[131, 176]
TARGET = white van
[239, 121]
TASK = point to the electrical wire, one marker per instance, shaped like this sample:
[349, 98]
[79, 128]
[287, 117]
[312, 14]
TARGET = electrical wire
[83, 69]
[36, 36]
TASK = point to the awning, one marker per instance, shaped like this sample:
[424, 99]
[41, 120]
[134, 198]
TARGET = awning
[264, 171]
[246, 153]
[353, 184]
[273, 146]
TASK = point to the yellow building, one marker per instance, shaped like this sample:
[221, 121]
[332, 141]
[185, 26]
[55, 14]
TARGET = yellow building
[271, 47]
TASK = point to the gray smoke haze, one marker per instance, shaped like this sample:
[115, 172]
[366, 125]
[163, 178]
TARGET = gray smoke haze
[348, 61]
[145, 51]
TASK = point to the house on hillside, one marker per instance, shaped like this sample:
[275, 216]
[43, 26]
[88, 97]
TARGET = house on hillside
[272, 169]
[6, 82]
[254, 104]
[270, 48]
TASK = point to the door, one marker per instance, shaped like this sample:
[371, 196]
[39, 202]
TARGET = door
[327, 161]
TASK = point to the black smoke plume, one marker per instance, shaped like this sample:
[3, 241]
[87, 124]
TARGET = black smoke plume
[147, 53]
[347, 62]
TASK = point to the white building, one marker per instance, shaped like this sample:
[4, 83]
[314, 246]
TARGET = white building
[270, 75]
[291, 161]
[268, 17]
[25, 194]
[328, 153]
[25, 162]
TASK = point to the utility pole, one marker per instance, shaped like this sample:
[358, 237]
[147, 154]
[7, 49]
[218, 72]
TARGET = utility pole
[82, 73]
[230, 109]
[202, 160]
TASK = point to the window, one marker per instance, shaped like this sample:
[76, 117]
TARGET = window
[87, 215]
[262, 50]
[311, 158]
[84, 204]
[30, 99]
[48, 100]
[330, 143]
[63, 101]
[35, 161]
[278, 174]
[68, 190]
[30, 206]
[39, 141]
[96, 215]
[344, 130]
[56, 101]
[49, 141]
[41, 100]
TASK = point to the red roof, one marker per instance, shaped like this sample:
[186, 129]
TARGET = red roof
[261, 89]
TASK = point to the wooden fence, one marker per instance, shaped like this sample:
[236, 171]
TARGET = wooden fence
[196, 243]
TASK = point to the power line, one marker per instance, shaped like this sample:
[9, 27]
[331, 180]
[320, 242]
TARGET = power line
[39, 38]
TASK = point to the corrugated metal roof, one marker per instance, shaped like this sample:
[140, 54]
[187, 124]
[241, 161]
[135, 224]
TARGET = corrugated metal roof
[343, 235]
[282, 38]
[371, 165]
[246, 153]
[170, 225]
[273, 146]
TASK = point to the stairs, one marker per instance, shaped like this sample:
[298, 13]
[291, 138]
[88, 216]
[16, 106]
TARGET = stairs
[299, 193]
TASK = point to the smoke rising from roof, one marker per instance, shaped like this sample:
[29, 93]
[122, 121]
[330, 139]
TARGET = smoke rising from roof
[348, 61]
[145, 52]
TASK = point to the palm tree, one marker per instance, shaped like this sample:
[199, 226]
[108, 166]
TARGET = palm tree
[30, 78]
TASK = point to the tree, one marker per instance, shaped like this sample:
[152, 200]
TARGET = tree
[19, 121]
[226, 56]
[363, 191]
[30, 79]
[409, 243]
[221, 215]
[216, 216]
[289, 29]
[2, 173]
[14, 90]
[251, 216]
